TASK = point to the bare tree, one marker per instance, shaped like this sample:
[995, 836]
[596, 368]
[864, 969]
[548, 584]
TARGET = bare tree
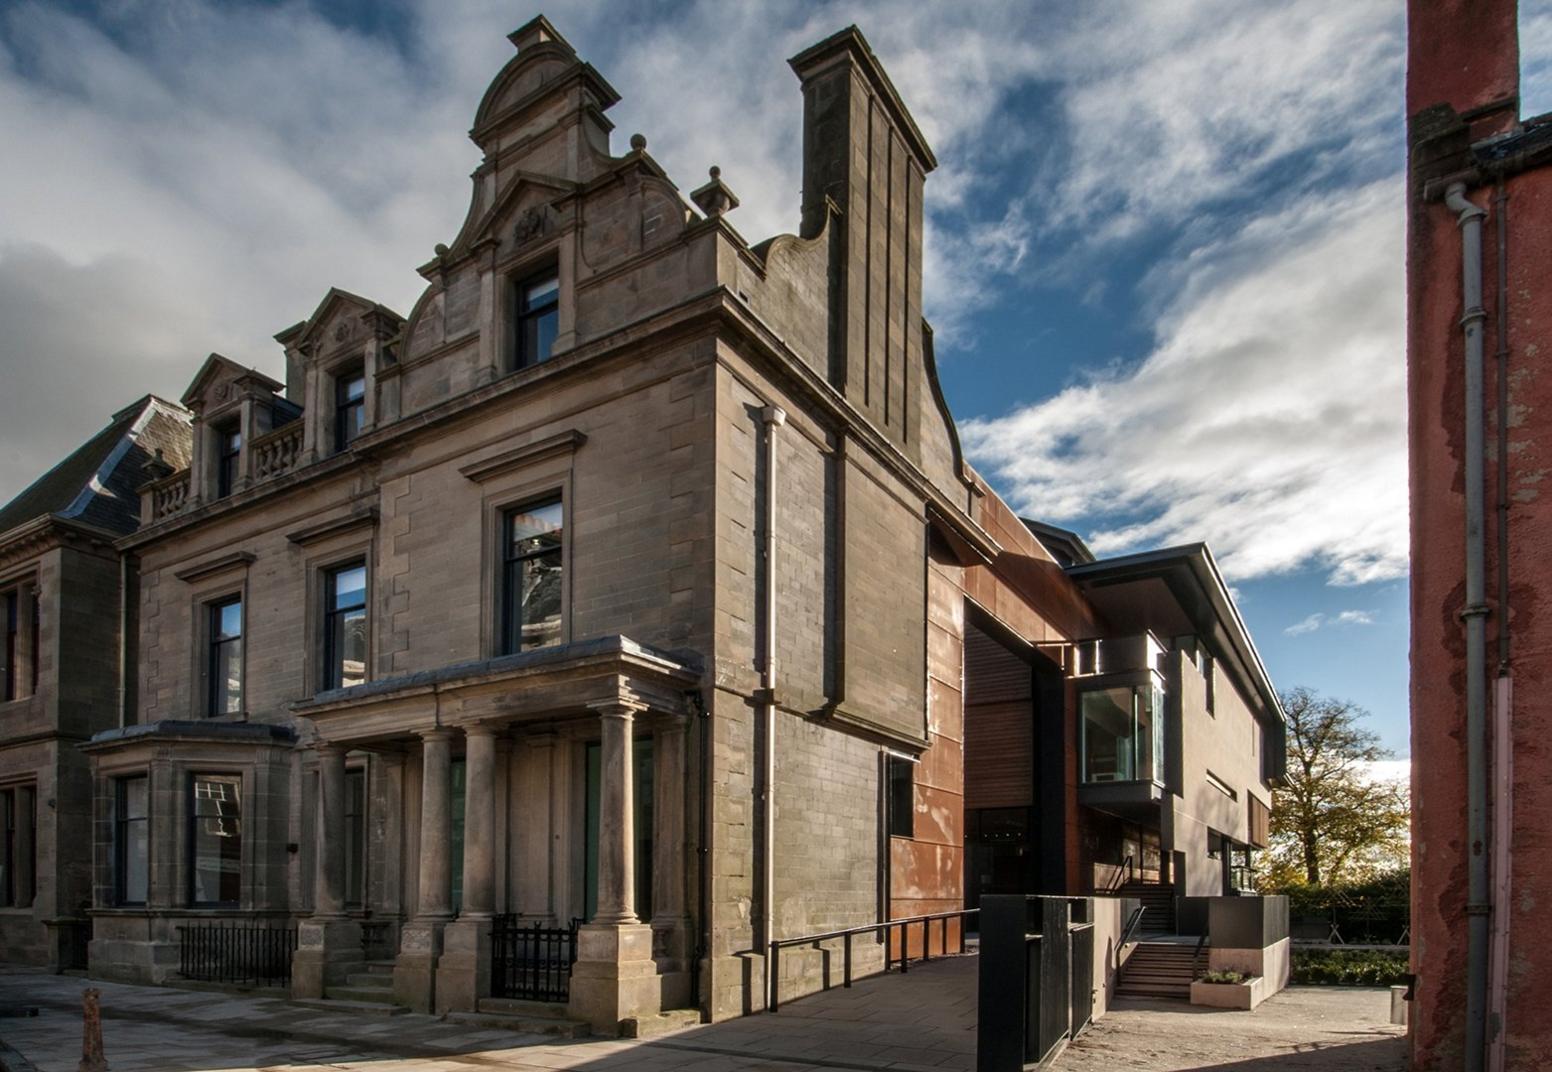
[1334, 820]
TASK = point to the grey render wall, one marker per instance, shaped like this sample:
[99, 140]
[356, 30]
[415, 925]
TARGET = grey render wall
[1227, 742]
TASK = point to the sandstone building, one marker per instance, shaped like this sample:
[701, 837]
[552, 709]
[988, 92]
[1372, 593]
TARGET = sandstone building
[635, 580]
[64, 592]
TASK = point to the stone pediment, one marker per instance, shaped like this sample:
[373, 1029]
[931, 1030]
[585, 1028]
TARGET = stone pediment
[342, 319]
[522, 212]
[545, 65]
[221, 381]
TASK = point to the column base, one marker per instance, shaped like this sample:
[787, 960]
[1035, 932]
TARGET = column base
[414, 969]
[326, 952]
[673, 952]
[615, 977]
[463, 970]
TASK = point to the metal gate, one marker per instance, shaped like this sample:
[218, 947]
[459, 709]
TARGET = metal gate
[1082, 935]
[532, 962]
[1036, 978]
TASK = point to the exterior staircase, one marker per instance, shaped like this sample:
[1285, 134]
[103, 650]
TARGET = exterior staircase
[1159, 900]
[372, 985]
[1158, 970]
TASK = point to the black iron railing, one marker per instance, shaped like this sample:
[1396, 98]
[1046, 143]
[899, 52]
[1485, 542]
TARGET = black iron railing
[884, 932]
[1122, 875]
[1132, 923]
[236, 953]
[531, 961]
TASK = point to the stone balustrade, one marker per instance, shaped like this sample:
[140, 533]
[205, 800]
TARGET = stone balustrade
[169, 495]
[275, 453]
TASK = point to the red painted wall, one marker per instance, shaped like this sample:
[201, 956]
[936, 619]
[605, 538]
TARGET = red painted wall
[1464, 55]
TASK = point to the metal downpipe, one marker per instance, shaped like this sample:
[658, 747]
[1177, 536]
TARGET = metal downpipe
[1478, 908]
[772, 417]
[1503, 692]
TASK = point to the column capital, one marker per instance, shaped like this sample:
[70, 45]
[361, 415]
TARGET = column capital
[330, 748]
[617, 707]
[479, 729]
[435, 733]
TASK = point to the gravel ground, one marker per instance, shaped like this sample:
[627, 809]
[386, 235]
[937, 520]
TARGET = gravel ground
[1303, 1029]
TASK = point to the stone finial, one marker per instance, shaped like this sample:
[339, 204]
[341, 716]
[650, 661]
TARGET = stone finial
[157, 467]
[714, 198]
[638, 143]
[440, 249]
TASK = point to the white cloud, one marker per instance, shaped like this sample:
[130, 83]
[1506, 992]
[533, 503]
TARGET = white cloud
[1354, 617]
[206, 170]
[1535, 57]
[1320, 620]
[1391, 770]
[1268, 419]
[1308, 625]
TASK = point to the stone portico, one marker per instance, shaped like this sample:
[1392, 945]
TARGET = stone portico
[514, 723]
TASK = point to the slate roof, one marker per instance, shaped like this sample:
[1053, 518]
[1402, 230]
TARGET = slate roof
[96, 484]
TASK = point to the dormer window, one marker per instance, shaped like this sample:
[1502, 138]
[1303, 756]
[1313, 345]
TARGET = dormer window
[349, 406]
[228, 457]
[538, 318]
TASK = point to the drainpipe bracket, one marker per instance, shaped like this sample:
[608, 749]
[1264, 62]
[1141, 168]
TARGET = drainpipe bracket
[1475, 610]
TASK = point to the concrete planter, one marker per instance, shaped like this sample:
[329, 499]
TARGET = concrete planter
[1247, 995]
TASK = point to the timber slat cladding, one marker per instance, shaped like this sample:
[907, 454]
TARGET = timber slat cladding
[999, 725]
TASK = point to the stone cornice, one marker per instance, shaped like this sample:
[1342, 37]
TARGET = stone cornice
[47, 532]
[360, 518]
[220, 564]
[713, 308]
[564, 443]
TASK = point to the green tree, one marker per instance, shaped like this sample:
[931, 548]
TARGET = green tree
[1334, 821]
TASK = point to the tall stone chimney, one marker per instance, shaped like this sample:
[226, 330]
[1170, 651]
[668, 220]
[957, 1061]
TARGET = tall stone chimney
[863, 153]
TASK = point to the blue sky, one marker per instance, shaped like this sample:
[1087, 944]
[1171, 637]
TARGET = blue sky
[1164, 257]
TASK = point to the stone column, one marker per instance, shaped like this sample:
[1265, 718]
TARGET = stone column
[463, 972]
[26, 641]
[420, 941]
[328, 946]
[615, 977]
[436, 826]
[329, 866]
[670, 920]
[479, 823]
[617, 820]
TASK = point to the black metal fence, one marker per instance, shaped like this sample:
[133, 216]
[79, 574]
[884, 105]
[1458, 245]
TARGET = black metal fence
[236, 953]
[532, 962]
[1036, 984]
[895, 931]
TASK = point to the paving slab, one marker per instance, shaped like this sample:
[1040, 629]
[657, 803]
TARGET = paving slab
[920, 1022]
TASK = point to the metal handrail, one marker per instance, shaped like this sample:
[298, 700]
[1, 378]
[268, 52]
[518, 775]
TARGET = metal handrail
[1116, 882]
[1132, 923]
[878, 930]
[1197, 955]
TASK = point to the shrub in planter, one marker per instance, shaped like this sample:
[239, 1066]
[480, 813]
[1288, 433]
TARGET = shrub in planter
[1232, 978]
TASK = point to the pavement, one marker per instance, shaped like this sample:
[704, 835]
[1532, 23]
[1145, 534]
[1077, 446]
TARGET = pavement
[923, 1021]
[1302, 1029]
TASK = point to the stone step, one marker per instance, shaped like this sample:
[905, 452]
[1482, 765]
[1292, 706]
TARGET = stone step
[379, 967]
[377, 995]
[549, 1010]
[663, 1023]
[527, 1025]
[1182, 993]
[370, 980]
[364, 1008]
